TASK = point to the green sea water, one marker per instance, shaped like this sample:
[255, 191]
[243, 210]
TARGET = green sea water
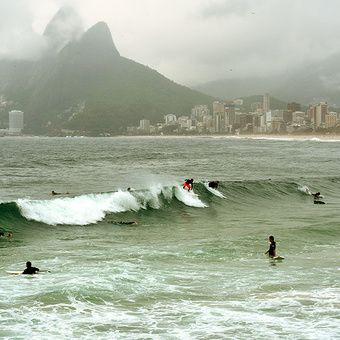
[193, 267]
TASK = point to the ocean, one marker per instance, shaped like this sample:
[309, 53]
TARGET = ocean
[193, 267]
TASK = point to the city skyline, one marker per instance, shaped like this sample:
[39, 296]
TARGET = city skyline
[226, 119]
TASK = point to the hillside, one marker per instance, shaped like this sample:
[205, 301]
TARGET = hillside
[313, 83]
[83, 83]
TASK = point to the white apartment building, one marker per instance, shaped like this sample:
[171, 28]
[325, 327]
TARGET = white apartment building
[16, 122]
[170, 118]
[144, 125]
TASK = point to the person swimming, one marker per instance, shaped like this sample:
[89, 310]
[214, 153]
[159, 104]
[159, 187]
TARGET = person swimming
[318, 202]
[2, 234]
[29, 269]
[58, 193]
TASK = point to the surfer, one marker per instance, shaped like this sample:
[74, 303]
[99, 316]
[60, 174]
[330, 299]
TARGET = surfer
[58, 193]
[188, 184]
[316, 198]
[318, 202]
[29, 269]
[272, 247]
[213, 185]
[2, 234]
[123, 223]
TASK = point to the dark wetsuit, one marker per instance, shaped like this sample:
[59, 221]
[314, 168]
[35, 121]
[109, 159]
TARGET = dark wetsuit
[30, 270]
[213, 185]
[272, 248]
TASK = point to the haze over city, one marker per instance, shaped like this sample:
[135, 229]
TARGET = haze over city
[191, 42]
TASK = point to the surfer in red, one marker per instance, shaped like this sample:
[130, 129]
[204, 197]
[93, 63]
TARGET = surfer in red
[188, 184]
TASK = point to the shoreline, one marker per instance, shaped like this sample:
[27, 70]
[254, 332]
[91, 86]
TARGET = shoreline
[322, 137]
[251, 136]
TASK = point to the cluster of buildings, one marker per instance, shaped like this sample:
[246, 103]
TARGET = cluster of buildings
[225, 118]
[16, 124]
[228, 118]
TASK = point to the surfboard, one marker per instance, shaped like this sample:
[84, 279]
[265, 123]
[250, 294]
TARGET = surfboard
[192, 193]
[278, 257]
[20, 272]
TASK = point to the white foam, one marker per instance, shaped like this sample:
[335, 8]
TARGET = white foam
[80, 210]
[188, 198]
[305, 189]
[88, 209]
[213, 191]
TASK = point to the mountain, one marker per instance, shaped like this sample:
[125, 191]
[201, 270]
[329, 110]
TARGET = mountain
[315, 82]
[81, 82]
[65, 27]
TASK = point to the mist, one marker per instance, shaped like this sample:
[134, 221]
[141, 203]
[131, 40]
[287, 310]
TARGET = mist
[189, 42]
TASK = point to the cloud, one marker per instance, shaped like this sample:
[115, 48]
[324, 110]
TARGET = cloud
[227, 9]
[16, 33]
[192, 41]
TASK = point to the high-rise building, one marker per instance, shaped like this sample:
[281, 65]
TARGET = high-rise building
[287, 116]
[16, 122]
[266, 102]
[229, 111]
[218, 108]
[170, 118]
[294, 106]
[200, 110]
[144, 125]
[320, 113]
[217, 118]
[311, 113]
[330, 119]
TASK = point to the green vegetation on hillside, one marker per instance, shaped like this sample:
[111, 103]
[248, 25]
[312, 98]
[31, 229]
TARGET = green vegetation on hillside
[90, 87]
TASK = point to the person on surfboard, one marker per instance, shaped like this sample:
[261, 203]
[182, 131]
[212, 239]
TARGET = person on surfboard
[188, 184]
[2, 234]
[29, 269]
[213, 185]
[58, 193]
[272, 248]
[123, 223]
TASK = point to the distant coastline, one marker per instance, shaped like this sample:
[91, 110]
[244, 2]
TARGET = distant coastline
[321, 136]
[253, 136]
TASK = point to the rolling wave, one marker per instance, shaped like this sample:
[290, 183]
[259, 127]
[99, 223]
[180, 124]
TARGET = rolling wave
[92, 208]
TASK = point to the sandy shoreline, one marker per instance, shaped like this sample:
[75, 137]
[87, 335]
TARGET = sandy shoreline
[321, 137]
[325, 137]
[253, 136]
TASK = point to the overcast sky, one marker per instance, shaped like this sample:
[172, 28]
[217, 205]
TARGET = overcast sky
[192, 41]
